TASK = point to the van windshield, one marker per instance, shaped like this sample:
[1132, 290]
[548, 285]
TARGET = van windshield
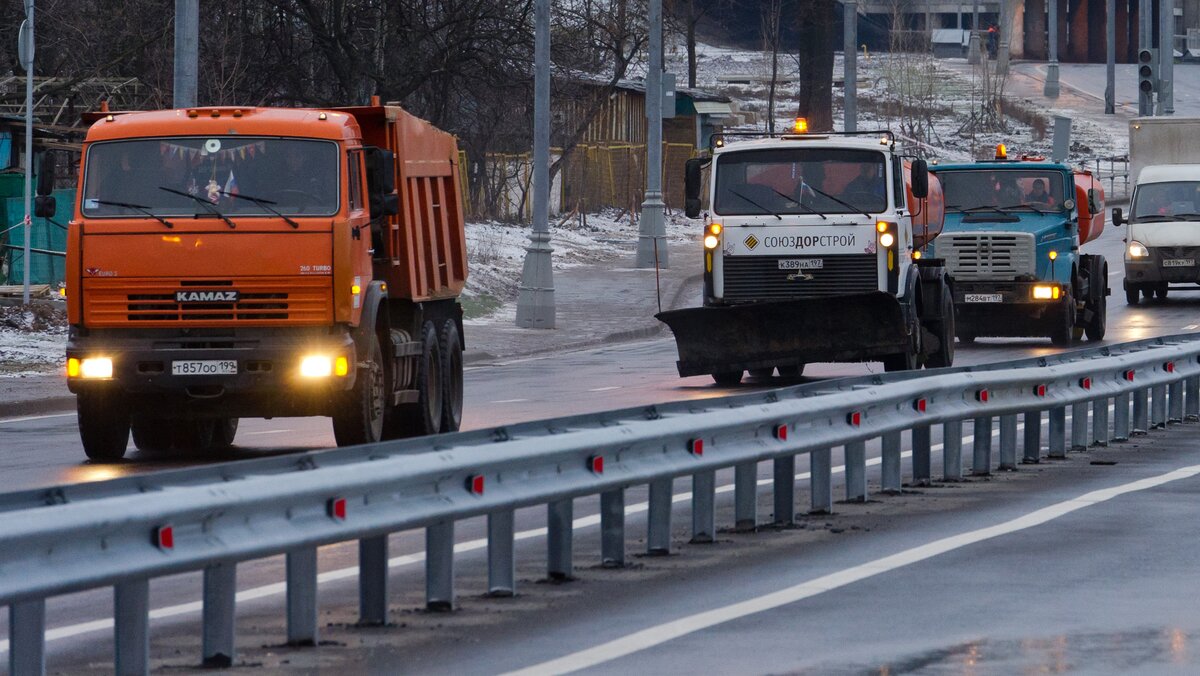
[294, 177]
[801, 181]
[1008, 189]
[1166, 201]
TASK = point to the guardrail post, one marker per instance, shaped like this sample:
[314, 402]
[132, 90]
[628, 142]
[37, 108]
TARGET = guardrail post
[785, 489]
[372, 580]
[981, 447]
[1079, 426]
[439, 566]
[302, 596]
[855, 460]
[1121, 429]
[745, 496]
[1158, 407]
[658, 521]
[890, 463]
[704, 512]
[920, 455]
[952, 450]
[131, 617]
[1100, 434]
[27, 638]
[560, 517]
[1032, 453]
[1008, 443]
[1141, 411]
[612, 528]
[1058, 433]
[1192, 405]
[502, 560]
[820, 479]
[220, 597]
[1175, 401]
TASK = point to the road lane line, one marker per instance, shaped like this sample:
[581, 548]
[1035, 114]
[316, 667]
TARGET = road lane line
[5, 421]
[605, 389]
[1191, 327]
[508, 401]
[250, 434]
[657, 635]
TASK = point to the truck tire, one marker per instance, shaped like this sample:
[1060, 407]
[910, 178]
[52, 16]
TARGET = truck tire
[792, 371]
[358, 413]
[944, 330]
[905, 361]
[1160, 291]
[151, 435]
[224, 430]
[103, 425]
[762, 373]
[450, 344]
[1132, 293]
[727, 378]
[1063, 333]
[1097, 300]
[425, 416]
[192, 436]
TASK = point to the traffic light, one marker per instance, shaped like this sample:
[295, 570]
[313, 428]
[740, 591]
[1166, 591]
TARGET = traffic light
[1147, 59]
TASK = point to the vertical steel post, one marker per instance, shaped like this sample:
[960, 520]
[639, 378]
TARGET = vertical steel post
[1058, 433]
[921, 443]
[1051, 87]
[1110, 57]
[131, 617]
[1175, 402]
[1121, 429]
[439, 566]
[27, 638]
[612, 528]
[850, 64]
[1145, 41]
[220, 603]
[952, 450]
[560, 518]
[373, 580]
[1158, 407]
[1192, 405]
[658, 521]
[302, 596]
[29, 57]
[1100, 434]
[785, 489]
[1141, 411]
[820, 479]
[187, 53]
[652, 234]
[1033, 438]
[745, 495]
[1008, 442]
[535, 302]
[891, 479]
[502, 559]
[1166, 57]
[1079, 426]
[704, 513]
[981, 447]
[855, 460]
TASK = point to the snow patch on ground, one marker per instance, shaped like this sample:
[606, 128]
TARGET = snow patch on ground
[32, 340]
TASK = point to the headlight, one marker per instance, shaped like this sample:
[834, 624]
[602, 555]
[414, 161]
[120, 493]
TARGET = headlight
[92, 367]
[711, 242]
[316, 366]
[887, 239]
[1137, 250]
[1046, 292]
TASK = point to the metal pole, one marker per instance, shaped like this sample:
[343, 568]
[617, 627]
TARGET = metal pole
[820, 481]
[301, 567]
[981, 447]
[921, 447]
[187, 52]
[890, 463]
[850, 64]
[855, 460]
[658, 521]
[1058, 433]
[1051, 88]
[372, 580]
[131, 618]
[1192, 404]
[612, 528]
[28, 56]
[1166, 57]
[952, 450]
[220, 600]
[502, 561]
[1079, 426]
[704, 516]
[745, 496]
[535, 302]
[1006, 27]
[785, 489]
[1100, 434]
[973, 46]
[1145, 41]
[560, 518]
[652, 234]
[1141, 411]
[1175, 397]
[1008, 443]
[1121, 429]
[27, 638]
[1158, 407]
[439, 567]
[1032, 454]
[1110, 56]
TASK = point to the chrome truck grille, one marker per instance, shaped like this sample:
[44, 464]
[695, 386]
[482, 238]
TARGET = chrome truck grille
[753, 278]
[979, 256]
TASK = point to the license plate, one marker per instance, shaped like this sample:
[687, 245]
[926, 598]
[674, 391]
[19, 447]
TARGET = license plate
[204, 367]
[1179, 262]
[983, 298]
[801, 264]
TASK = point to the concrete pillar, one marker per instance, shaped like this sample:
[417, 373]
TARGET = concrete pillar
[1035, 30]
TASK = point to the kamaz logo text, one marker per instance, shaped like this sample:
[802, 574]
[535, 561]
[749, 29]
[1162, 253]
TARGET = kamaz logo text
[206, 296]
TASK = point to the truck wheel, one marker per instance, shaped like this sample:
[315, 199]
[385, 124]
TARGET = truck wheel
[358, 416]
[1132, 293]
[762, 373]
[1160, 291]
[425, 416]
[224, 430]
[1097, 301]
[1063, 334]
[152, 435]
[103, 425]
[904, 361]
[192, 436]
[793, 371]
[452, 377]
[727, 378]
[944, 330]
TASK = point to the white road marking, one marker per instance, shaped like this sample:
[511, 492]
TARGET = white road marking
[250, 434]
[6, 421]
[605, 389]
[507, 401]
[1114, 273]
[1191, 327]
[657, 635]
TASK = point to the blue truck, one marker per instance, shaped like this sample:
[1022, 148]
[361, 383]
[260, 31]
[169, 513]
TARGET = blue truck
[1011, 243]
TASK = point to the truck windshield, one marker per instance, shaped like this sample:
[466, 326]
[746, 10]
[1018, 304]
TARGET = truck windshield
[1163, 201]
[801, 181]
[1008, 189]
[293, 177]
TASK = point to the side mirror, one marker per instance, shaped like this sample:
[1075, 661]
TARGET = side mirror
[692, 181]
[44, 206]
[1093, 201]
[920, 179]
[1118, 216]
[45, 179]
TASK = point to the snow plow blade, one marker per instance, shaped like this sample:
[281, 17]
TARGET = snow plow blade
[849, 328]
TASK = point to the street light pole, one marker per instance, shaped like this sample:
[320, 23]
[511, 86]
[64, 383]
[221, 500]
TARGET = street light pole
[850, 64]
[1051, 88]
[1166, 57]
[1110, 56]
[187, 52]
[27, 57]
[535, 302]
[652, 233]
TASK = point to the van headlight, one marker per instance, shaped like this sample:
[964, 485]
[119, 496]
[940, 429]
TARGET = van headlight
[1137, 250]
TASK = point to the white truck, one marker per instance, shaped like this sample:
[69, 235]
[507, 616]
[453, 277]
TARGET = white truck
[812, 253]
[1163, 242]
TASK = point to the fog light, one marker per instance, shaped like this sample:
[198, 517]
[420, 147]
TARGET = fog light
[341, 366]
[316, 366]
[711, 242]
[93, 367]
[1046, 292]
[887, 239]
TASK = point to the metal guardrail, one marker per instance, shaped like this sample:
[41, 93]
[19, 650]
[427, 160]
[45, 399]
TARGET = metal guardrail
[1115, 170]
[122, 533]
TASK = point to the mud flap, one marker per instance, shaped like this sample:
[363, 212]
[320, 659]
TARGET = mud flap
[850, 328]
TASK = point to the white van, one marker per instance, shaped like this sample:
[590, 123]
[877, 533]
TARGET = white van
[1162, 247]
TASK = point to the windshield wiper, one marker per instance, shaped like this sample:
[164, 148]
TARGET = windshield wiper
[136, 207]
[1024, 205]
[1187, 216]
[984, 207]
[849, 206]
[1147, 218]
[799, 203]
[734, 191]
[208, 205]
[263, 203]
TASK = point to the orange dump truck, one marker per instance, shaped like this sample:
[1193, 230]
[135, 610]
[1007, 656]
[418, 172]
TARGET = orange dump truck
[228, 263]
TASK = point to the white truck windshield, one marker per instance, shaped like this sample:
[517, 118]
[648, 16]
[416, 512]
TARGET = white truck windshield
[801, 181]
[1165, 201]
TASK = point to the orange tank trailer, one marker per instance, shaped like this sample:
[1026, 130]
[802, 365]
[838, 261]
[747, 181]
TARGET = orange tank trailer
[229, 262]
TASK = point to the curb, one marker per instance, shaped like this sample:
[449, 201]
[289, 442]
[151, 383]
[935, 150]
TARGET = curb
[17, 409]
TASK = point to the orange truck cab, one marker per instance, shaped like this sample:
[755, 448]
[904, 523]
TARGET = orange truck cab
[226, 263]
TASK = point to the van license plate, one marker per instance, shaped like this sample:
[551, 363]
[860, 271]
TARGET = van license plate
[801, 264]
[983, 298]
[1179, 262]
[206, 367]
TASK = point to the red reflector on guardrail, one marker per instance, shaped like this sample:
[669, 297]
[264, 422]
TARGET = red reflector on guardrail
[981, 396]
[920, 405]
[164, 537]
[1169, 367]
[337, 509]
[475, 484]
[1129, 375]
[1085, 383]
[1039, 390]
[854, 419]
[781, 432]
[596, 464]
[696, 446]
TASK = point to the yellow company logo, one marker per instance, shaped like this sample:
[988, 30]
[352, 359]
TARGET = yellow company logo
[751, 242]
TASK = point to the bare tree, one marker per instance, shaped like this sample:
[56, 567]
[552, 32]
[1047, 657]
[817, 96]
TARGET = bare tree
[772, 15]
[815, 58]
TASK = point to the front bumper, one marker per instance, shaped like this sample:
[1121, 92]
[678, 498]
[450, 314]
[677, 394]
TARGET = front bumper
[1016, 314]
[1151, 270]
[267, 382]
